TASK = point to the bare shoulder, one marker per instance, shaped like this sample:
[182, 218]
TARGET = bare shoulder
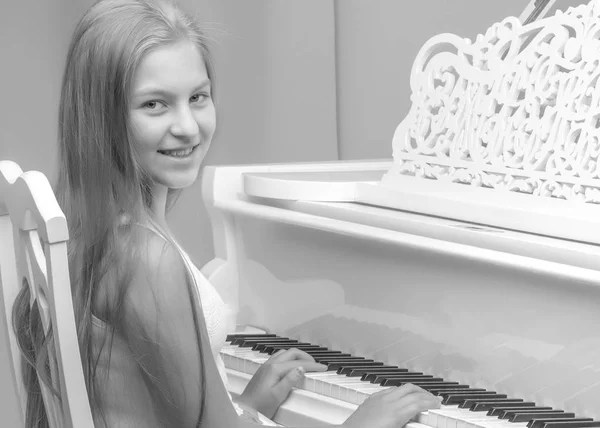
[155, 254]
[161, 324]
[159, 276]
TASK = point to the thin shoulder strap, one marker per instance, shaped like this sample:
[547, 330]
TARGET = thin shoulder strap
[193, 291]
[156, 229]
[101, 323]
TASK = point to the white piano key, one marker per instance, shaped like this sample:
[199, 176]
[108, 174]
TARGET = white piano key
[354, 391]
[455, 417]
[415, 425]
[422, 418]
[497, 424]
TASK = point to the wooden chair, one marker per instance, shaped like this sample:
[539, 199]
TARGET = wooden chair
[9, 288]
[40, 234]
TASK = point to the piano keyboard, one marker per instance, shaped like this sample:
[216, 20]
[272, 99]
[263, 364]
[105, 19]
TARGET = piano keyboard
[333, 395]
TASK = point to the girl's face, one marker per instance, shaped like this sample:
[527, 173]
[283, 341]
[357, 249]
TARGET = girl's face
[171, 114]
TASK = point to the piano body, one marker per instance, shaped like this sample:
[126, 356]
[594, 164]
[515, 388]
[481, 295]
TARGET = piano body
[472, 256]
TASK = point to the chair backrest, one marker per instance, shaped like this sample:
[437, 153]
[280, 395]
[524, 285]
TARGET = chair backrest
[40, 234]
[9, 288]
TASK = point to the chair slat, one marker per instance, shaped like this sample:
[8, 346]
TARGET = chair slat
[9, 289]
[41, 235]
[34, 206]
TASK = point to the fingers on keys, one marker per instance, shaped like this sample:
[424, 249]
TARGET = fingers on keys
[298, 358]
[410, 397]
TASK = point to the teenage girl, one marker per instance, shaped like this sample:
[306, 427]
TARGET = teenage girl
[136, 120]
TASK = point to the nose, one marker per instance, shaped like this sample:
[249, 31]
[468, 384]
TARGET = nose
[184, 124]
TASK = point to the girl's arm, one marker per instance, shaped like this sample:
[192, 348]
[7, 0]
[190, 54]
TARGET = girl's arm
[161, 329]
[164, 326]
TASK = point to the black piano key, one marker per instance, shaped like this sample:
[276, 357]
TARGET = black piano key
[238, 340]
[379, 377]
[487, 405]
[310, 348]
[392, 373]
[370, 377]
[359, 372]
[403, 380]
[414, 381]
[471, 403]
[341, 357]
[266, 340]
[323, 359]
[248, 343]
[446, 391]
[346, 370]
[365, 371]
[274, 348]
[360, 363]
[460, 397]
[435, 388]
[260, 346]
[526, 417]
[538, 423]
[334, 365]
[323, 351]
[512, 403]
[338, 357]
[442, 385]
[300, 345]
[331, 355]
[571, 424]
[231, 337]
[507, 414]
[499, 410]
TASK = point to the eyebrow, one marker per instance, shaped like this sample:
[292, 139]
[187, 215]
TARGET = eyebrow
[153, 90]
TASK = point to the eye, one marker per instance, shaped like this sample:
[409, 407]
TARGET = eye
[153, 105]
[199, 97]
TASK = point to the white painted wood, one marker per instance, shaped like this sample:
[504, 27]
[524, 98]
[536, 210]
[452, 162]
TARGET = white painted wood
[333, 186]
[9, 289]
[41, 233]
[502, 132]
[303, 408]
[511, 114]
[490, 307]
[369, 228]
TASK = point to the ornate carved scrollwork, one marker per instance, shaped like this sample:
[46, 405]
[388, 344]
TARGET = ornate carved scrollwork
[516, 110]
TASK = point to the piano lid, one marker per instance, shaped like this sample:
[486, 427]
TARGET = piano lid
[502, 131]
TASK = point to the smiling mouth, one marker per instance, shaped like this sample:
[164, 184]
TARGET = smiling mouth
[179, 153]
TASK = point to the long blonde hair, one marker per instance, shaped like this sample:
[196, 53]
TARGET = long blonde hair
[100, 180]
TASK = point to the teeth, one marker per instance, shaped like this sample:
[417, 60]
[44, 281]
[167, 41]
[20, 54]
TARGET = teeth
[177, 153]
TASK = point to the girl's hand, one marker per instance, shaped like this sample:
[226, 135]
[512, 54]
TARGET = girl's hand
[392, 408]
[273, 381]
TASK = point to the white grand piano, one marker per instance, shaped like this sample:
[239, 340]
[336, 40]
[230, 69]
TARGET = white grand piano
[468, 264]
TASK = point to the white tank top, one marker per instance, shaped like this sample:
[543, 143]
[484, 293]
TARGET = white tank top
[219, 319]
